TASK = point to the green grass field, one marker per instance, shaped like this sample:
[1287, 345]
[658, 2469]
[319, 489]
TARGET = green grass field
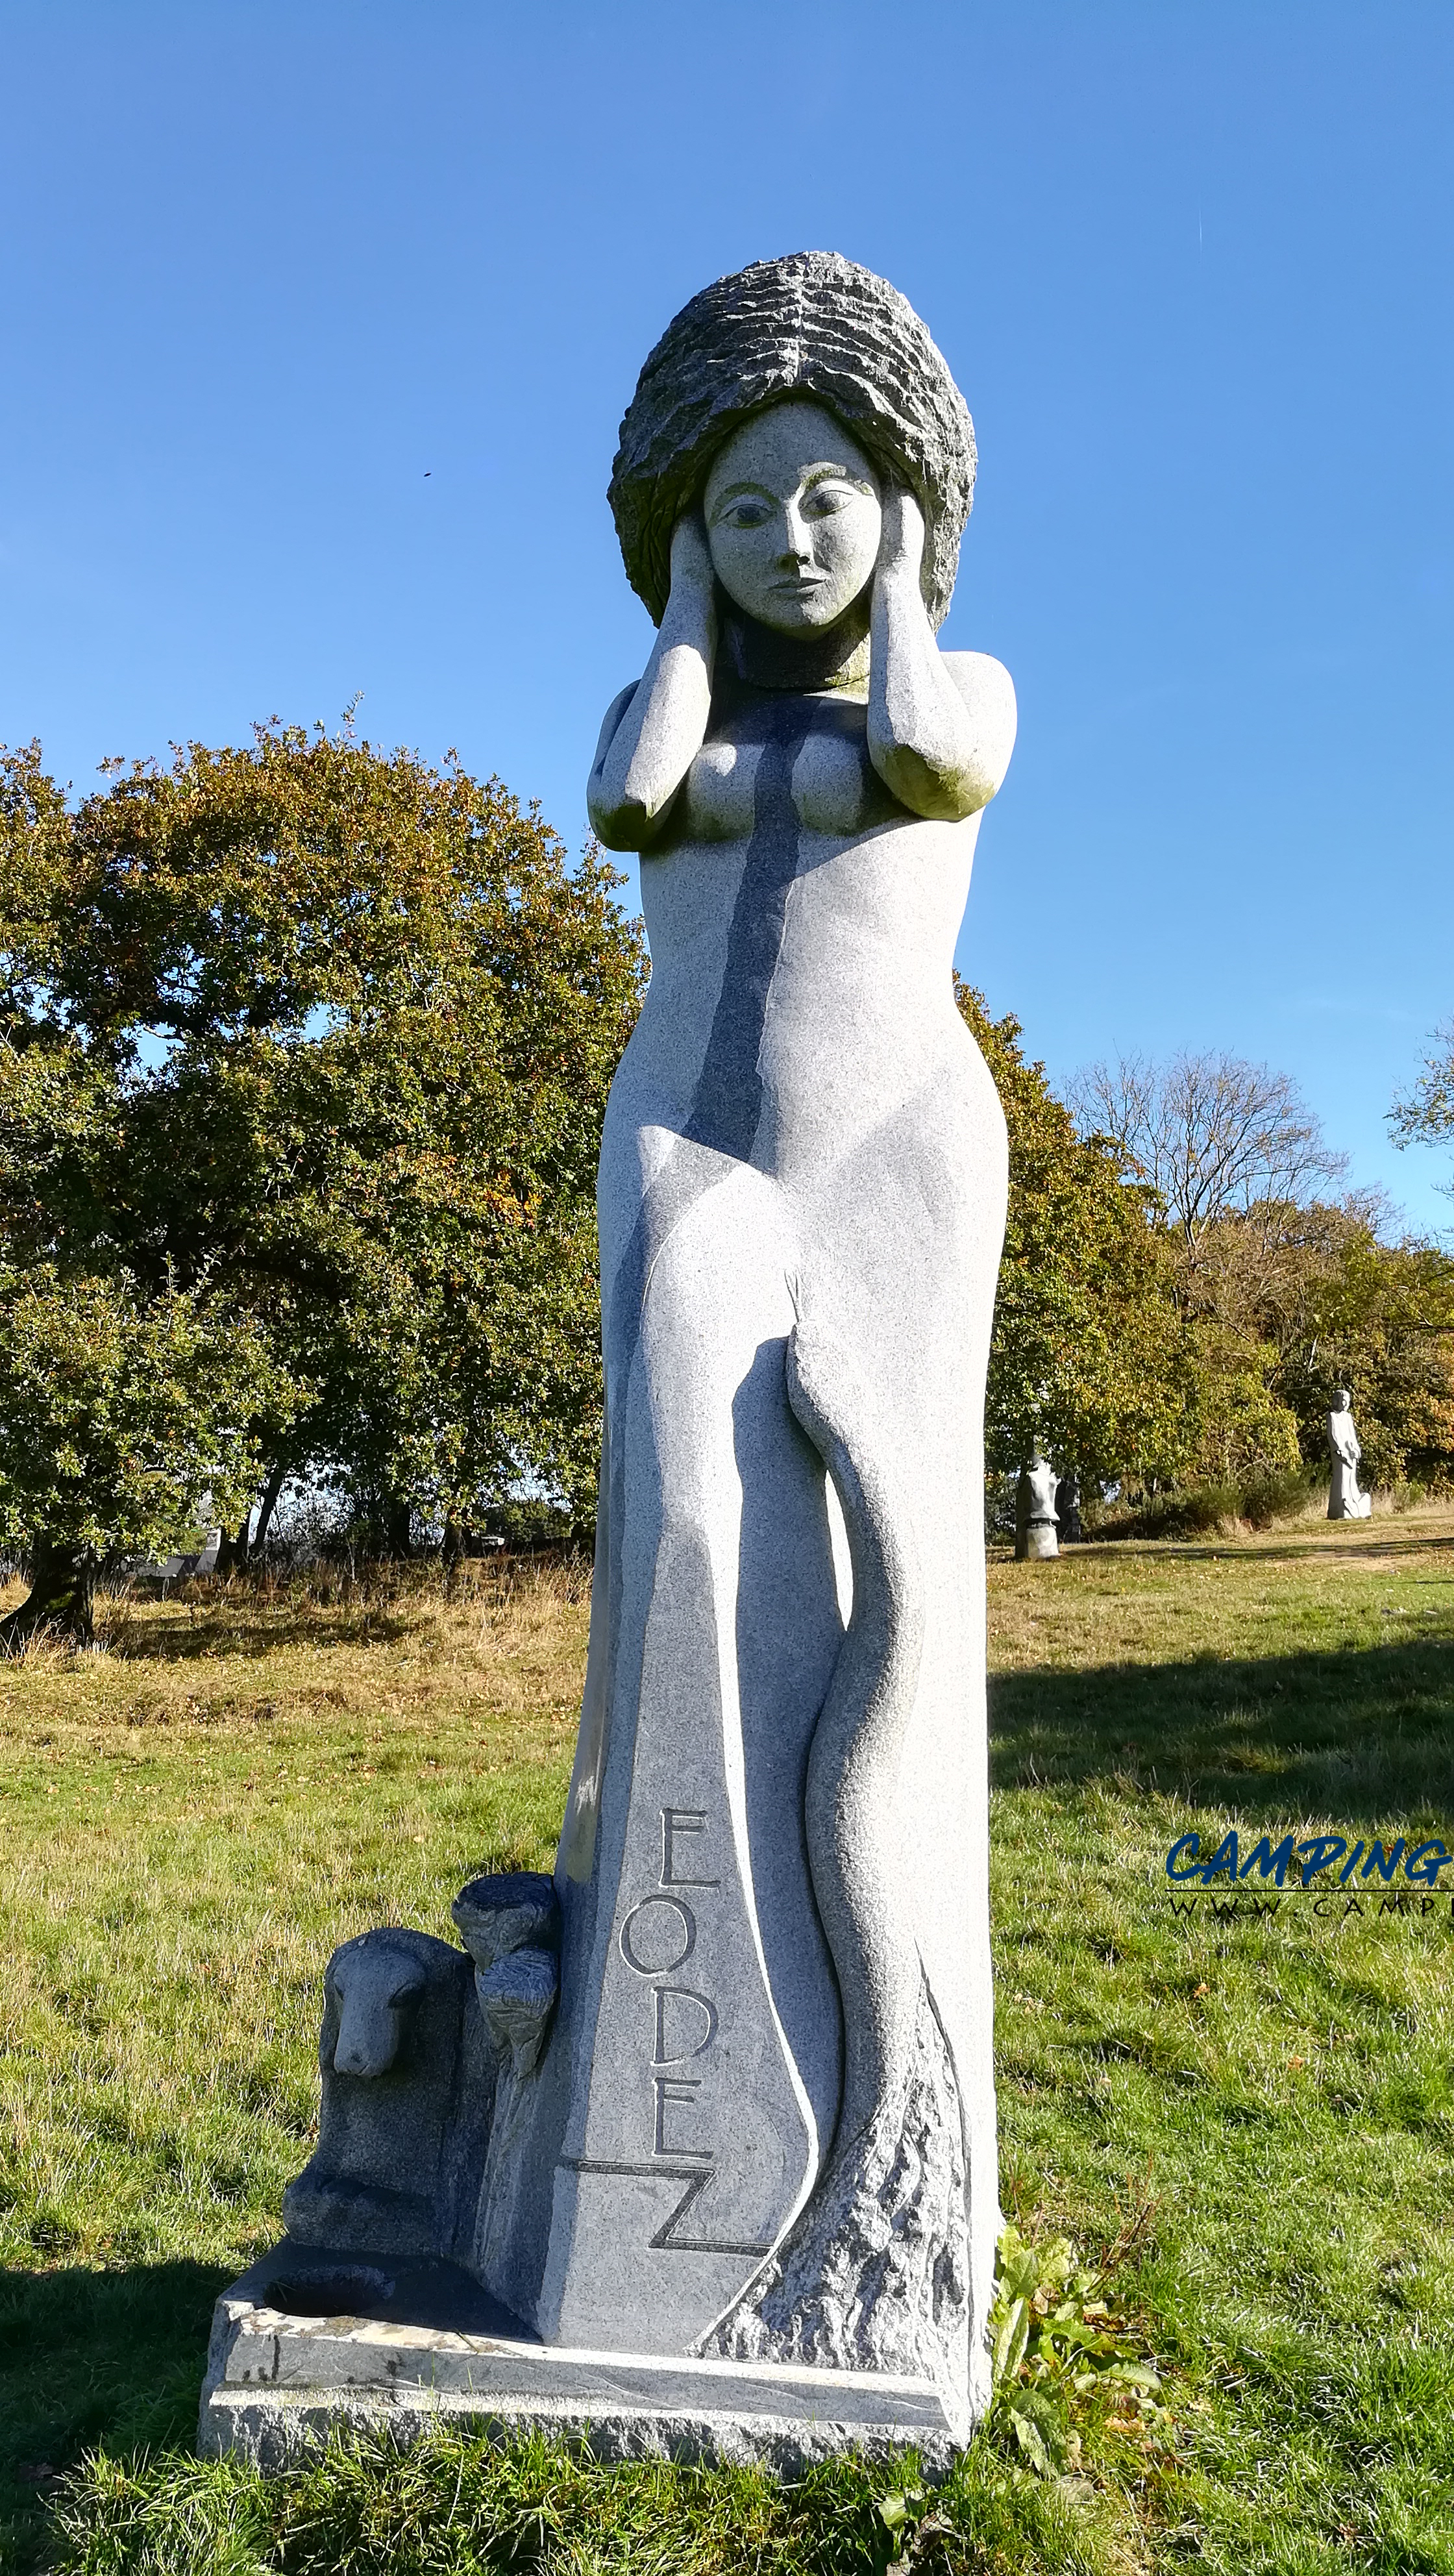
[1252, 2119]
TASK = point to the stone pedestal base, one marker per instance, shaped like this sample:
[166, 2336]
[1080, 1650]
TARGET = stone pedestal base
[278, 2382]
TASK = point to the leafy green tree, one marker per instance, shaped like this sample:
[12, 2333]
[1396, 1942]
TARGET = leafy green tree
[1089, 1352]
[1238, 1426]
[324, 1036]
[122, 1418]
[1426, 1113]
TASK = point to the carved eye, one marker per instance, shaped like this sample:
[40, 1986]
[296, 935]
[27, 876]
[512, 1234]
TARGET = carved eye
[825, 499]
[404, 1994]
[745, 514]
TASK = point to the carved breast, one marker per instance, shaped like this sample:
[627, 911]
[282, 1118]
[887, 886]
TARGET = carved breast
[836, 790]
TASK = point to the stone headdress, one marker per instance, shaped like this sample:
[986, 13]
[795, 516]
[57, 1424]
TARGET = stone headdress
[812, 324]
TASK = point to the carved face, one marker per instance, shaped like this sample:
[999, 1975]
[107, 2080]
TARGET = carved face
[374, 1987]
[793, 518]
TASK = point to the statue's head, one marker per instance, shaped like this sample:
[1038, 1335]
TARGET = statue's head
[779, 402]
[1342, 1398]
[793, 518]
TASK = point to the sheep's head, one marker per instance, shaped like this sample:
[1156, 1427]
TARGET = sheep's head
[374, 1984]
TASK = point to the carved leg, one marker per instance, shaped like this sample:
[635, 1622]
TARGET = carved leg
[875, 2275]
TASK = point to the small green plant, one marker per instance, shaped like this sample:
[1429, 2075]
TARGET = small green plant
[1064, 2355]
[901, 2514]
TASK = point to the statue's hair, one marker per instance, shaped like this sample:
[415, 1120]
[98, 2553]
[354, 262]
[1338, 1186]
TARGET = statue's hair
[817, 326]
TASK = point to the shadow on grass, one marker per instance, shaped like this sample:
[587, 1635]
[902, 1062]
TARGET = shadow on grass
[1202, 1551]
[258, 1633]
[1363, 1734]
[89, 2357]
[247, 1617]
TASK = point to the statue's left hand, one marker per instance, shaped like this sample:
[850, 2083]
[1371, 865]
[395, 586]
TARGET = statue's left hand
[901, 545]
[921, 737]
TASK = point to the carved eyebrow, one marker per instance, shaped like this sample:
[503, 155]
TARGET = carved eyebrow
[817, 474]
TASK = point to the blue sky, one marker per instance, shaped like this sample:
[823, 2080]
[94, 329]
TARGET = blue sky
[320, 321]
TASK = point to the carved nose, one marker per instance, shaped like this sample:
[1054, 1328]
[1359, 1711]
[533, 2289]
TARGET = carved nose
[798, 546]
[367, 2043]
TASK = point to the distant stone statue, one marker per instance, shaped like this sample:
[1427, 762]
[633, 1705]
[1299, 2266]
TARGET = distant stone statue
[1345, 1500]
[1036, 1533]
[751, 2159]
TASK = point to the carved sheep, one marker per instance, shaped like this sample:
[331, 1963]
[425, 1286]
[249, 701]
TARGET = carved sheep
[395, 2168]
[427, 2054]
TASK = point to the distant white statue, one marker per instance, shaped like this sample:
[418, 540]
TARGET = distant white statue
[1038, 1536]
[1345, 1500]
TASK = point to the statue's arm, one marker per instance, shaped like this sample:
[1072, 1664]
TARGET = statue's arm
[939, 735]
[653, 732]
[610, 726]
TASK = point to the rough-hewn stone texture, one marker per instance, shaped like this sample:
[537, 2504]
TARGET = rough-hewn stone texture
[813, 323]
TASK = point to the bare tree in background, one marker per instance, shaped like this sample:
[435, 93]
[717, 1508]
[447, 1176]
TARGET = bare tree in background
[1214, 1136]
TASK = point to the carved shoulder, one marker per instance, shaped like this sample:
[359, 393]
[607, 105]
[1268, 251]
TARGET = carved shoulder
[989, 694]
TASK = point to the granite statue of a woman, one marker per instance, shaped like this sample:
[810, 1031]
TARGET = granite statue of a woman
[779, 2137]
[737, 2168]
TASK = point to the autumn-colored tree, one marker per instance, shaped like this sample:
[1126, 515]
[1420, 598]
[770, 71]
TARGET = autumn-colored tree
[1286, 1291]
[1347, 1307]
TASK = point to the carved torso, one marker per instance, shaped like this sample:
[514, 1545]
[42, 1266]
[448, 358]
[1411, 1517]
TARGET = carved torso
[789, 881]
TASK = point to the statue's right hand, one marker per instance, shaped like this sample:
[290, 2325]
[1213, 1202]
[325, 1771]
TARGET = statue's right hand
[691, 558]
[653, 732]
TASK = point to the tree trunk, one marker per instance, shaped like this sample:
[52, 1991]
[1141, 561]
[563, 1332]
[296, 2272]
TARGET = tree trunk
[454, 1548]
[1022, 1515]
[399, 1528]
[271, 1490]
[235, 1555]
[61, 1599]
[232, 1553]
